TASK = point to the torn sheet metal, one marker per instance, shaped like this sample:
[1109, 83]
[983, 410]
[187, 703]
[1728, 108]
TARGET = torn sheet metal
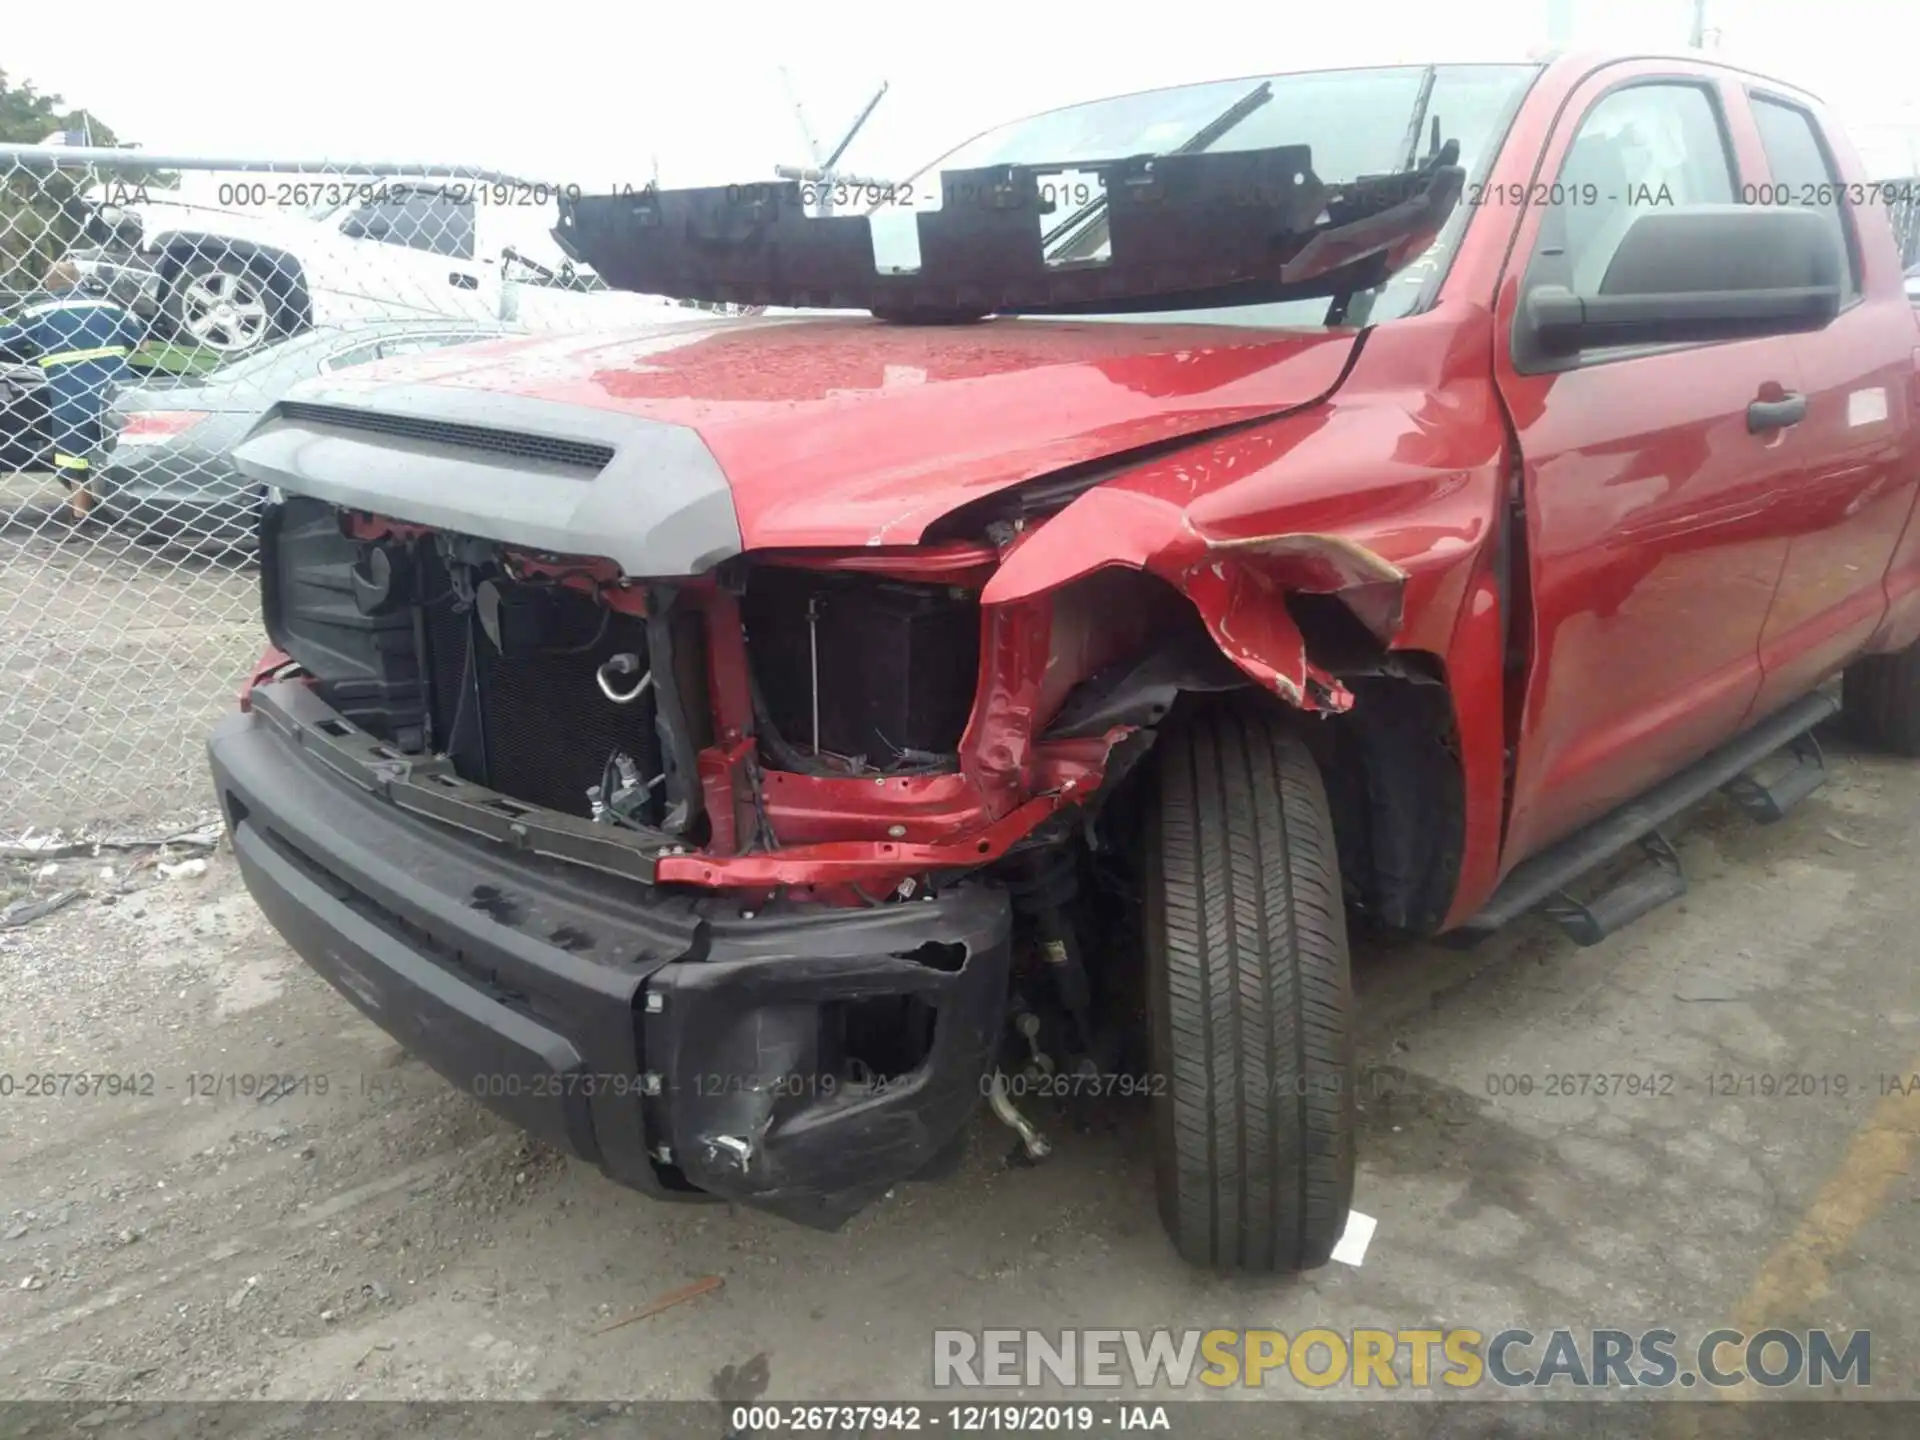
[1246, 614]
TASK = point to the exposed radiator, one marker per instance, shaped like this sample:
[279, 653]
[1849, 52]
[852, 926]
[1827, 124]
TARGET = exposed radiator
[547, 729]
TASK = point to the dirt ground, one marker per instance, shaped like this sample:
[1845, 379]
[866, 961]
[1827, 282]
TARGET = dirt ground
[117, 657]
[391, 1239]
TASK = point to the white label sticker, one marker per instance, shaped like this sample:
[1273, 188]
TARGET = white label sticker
[1867, 407]
[1352, 1246]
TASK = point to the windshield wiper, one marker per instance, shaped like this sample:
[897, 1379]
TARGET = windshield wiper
[1356, 307]
[1194, 144]
[1411, 149]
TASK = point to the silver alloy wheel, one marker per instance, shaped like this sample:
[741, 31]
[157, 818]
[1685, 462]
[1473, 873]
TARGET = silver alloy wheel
[228, 311]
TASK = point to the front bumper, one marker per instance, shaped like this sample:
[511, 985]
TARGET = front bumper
[676, 1041]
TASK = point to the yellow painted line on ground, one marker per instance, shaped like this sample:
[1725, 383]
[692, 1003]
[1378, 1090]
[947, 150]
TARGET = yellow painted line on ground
[1798, 1270]
[1798, 1273]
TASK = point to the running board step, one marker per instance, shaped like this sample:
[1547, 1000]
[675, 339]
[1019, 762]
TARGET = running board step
[1545, 876]
[1589, 922]
[1770, 789]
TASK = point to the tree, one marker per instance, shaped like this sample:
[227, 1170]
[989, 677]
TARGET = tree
[42, 209]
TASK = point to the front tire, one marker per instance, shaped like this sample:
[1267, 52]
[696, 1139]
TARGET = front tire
[1880, 700]
[1249, 997]
[223, 303]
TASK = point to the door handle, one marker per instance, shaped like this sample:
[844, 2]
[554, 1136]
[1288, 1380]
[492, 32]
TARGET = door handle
[1764, 415]
[463, 282]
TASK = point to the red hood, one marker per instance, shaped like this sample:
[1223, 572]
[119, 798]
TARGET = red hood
[855, 432]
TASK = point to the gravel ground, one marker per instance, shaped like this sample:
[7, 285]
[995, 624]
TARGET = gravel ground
[390, 1239]
[118, 658]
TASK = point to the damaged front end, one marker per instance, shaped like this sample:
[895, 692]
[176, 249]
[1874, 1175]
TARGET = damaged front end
[739, 874]
[732, 883]
[728, 882]
[620, 762]
[841, 728]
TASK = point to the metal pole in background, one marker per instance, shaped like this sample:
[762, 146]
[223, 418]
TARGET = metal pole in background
[79, 157]
[1698, 38]
[800, 118]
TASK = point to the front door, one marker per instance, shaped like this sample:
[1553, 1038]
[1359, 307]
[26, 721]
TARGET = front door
[1650, 533]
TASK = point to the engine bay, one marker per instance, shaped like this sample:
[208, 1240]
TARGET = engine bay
[565, 686]
[858, 674]
[769, 713]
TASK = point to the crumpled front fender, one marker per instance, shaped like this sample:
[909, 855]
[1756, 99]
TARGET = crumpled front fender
[1238, 586]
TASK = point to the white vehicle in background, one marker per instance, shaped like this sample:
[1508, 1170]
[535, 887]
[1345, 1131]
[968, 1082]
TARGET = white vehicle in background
[233, 265]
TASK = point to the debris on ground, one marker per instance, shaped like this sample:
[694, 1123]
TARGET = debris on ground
[1707, 987]
[705, 1285]
[25, 912]
[52, 847]
[175, 855]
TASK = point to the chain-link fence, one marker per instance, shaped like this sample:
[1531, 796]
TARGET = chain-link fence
[153, 307]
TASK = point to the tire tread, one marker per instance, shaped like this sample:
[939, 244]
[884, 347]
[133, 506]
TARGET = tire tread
[1248, 956]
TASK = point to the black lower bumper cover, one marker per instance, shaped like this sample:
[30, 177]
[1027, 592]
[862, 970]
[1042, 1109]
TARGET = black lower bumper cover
[670, 1040]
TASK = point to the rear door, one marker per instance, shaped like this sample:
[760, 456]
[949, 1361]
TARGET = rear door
[1650, 520]
[1858, 485]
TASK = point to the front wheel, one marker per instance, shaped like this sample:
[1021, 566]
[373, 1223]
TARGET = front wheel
[221, 303]
[1249, 997]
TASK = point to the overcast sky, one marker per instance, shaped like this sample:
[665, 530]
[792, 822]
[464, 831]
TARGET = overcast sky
[592, 92]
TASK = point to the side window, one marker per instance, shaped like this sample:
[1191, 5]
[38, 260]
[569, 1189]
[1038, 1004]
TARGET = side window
[448, 224]
[420, 220]
[1657, 144]
[1803, 174]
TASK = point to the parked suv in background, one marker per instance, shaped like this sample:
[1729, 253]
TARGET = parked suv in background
[751, 746]
[253, 258]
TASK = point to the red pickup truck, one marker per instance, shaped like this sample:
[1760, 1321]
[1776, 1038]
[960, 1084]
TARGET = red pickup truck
[736, 753]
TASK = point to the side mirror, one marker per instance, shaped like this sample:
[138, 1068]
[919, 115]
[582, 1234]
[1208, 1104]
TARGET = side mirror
[1705, 273]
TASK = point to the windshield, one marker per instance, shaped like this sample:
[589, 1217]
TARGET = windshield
[1357, 122]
